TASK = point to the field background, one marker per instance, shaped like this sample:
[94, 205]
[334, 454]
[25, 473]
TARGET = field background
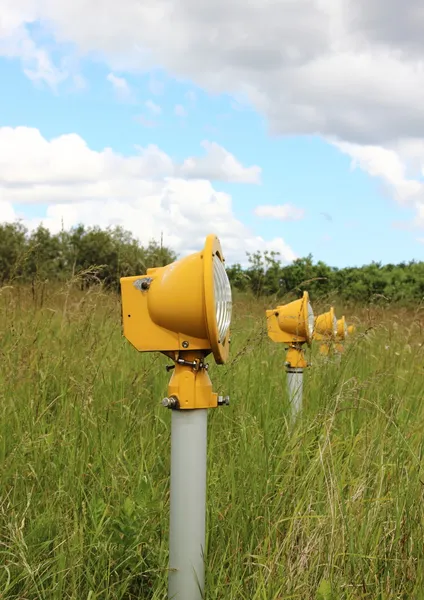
[332, 509]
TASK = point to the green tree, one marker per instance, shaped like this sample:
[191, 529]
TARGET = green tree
[13, 246]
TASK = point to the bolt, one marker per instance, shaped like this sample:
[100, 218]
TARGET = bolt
[170, 402]
[185, 344]
[223, 400]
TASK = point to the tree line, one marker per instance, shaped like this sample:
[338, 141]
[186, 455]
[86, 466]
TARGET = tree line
[91, 253]
[104, 255]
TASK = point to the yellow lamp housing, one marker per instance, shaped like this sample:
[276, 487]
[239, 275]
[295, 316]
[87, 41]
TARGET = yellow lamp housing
[342, 331]
[184, 306]
[326, 326]
[291, 323]
[351, 329]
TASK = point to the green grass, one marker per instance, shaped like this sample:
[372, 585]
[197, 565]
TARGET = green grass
[329, 509]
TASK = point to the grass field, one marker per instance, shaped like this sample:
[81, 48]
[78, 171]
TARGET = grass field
[332, 509]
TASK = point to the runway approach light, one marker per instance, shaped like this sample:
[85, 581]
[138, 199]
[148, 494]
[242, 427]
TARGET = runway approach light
[293, 324]
[183, 310]
[351, 329]
[183, 307]
[342, 334]
[326, 330]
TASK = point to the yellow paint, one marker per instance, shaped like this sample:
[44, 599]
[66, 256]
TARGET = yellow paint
[176, 311]
[325, 349]
[324, 326]
[342, 328]
[295, 357]
[351, 329]
[192, 388]
[289, 323]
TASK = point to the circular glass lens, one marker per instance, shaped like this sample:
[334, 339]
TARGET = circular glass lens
[223, 298]
[311, 320]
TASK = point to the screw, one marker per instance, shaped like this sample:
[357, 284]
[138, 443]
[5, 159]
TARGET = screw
[170, 402]
[223, 400]
[185, 344]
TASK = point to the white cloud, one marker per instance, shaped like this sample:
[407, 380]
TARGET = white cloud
[391, 166]
[144, 193]
[280, 212]
[180, 111]
[17, 43]
[218, 163]
[7, 212]
[120, 85]
[153, 107]
[349, 69]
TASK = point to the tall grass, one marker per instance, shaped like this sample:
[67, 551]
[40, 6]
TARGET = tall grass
[329, 509]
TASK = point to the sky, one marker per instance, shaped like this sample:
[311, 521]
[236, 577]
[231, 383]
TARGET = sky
[288, 125]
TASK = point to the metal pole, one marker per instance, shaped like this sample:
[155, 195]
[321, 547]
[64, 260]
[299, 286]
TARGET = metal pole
[295, 389]
[186, 579]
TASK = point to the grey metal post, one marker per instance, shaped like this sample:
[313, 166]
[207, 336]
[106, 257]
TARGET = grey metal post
[295, 389]
[188, 504]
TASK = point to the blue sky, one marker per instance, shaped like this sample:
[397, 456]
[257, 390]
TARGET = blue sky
[349, 216]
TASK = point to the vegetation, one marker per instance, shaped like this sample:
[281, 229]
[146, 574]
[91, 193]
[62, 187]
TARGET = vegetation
[101, 255]
[403, 283]
[107, 255]
[331, 509]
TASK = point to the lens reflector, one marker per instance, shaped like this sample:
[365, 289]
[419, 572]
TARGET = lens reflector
[223, 298]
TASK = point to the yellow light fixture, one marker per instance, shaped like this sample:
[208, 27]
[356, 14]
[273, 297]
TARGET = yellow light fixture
[326, 326]
[325, 330]
[342, 331]
[351, 329]
[292, 324]
[183, 306]
[182, 310]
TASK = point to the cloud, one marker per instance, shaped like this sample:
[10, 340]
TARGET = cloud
[180, 111]
[153, 107]
[120, 86]
[348, 69]
[17, 43]
[396, 168]
[7, 212]
[387, 22]
[281, 212]
[145, 193]
[218, 163]
[351, 71]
